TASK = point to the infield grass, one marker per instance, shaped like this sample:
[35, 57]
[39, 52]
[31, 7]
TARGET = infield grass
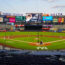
[23, 42]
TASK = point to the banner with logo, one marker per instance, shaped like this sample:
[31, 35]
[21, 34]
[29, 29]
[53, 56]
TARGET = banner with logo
[55, 20]
[60, 20]
[47, 18]
[12, 20]
[34, 18]
[1, 19]
[20, 18]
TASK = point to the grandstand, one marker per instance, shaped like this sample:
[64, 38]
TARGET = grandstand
[14, 21]
[27, 58]
[21, 37]
[37, 24]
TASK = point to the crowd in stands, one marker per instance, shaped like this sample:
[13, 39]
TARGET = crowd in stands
[26, 59]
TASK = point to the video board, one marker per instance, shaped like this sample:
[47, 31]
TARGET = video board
[55, 20]
[60, 20]
[33, 18]
[1, 19]
[47, 19]
[12, 20]
[20, 18]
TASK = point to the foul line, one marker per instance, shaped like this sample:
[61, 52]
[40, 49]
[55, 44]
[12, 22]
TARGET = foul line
[55, 41]
[34, 42]
[21, 41]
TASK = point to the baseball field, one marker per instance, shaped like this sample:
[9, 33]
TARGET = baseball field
[31, 40]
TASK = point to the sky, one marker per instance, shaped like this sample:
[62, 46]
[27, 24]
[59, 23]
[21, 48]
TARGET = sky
[32, 6]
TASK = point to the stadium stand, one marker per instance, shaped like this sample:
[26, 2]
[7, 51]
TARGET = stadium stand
[14, 57]
[10, 56]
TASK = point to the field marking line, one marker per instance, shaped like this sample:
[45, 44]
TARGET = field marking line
[21, 41]
[33, 42]
[55, 41]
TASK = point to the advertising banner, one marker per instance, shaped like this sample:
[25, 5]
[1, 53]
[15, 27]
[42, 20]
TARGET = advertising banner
[60, 20]
[55, 20]
[6, 19]
[24, 18]
[12, 20]
[47, 18]
[1, 19]
[20, 18]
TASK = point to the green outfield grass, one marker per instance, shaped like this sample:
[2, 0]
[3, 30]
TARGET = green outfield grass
[23, 42]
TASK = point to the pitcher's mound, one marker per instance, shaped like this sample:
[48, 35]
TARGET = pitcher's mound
[38, 44]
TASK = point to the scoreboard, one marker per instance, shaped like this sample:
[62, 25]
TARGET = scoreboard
[33, 18]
